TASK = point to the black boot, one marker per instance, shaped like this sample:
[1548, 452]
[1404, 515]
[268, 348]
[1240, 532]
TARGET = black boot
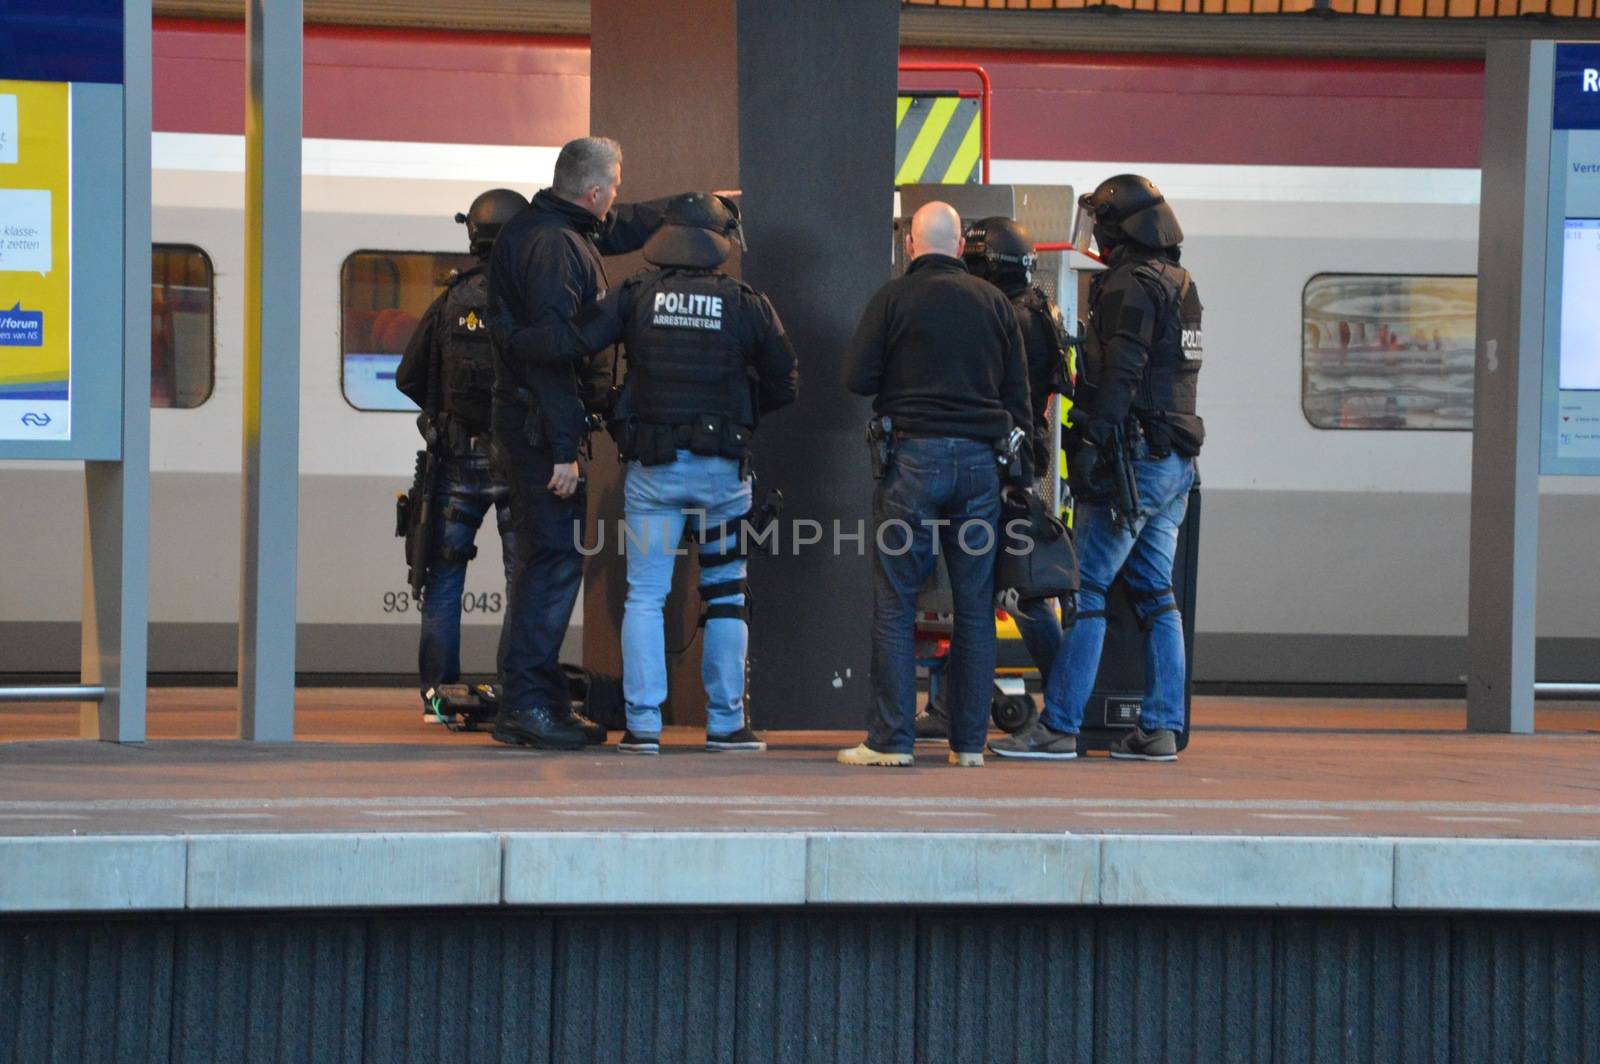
[594, 734]
[537, 727]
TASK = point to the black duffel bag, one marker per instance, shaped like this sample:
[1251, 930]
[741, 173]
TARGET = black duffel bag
[1035, 558]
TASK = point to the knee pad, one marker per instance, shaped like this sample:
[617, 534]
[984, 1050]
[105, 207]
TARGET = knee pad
[1153, 604]
[734, 611]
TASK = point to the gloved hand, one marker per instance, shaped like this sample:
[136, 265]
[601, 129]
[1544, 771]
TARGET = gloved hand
[1015, 496]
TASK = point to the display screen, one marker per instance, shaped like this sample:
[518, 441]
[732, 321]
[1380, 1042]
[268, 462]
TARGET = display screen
[1580, 306]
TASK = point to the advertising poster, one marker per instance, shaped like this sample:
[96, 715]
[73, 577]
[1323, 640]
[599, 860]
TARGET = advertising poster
[35, 261]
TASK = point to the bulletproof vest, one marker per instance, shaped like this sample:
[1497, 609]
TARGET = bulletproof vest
[466, 359]
[1165, 400]
[1033, 301]
[687, 384]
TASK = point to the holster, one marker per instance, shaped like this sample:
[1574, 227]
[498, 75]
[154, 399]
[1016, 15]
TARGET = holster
[880, 445]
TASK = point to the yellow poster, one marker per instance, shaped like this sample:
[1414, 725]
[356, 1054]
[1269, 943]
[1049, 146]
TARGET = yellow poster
[35, 260]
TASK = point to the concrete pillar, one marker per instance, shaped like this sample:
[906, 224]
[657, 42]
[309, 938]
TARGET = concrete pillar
[793, 103]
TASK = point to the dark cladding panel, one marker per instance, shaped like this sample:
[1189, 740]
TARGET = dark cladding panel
[1014, 985]
[96, 990]
[1526, 989]
[819, 990]
[655, 989]
[269, 989]
[459, 989]
[816, 138]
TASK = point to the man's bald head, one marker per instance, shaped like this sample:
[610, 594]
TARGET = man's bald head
[935, 230]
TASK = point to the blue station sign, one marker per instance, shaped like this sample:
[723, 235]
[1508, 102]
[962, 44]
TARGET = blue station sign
[1577, 96]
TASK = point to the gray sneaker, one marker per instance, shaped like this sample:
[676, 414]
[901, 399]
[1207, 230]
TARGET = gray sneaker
[1036, 743]
[1140, 745]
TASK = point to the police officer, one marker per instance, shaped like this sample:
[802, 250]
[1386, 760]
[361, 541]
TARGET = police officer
[941, 354]
[706, 356]
[1136, 394]
[1000, 251]
[545, 266]
[448, 371]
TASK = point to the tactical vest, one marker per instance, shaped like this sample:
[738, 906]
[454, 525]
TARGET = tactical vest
[687, 383]
[1164, 402]
[466, 358]
[1034, 301]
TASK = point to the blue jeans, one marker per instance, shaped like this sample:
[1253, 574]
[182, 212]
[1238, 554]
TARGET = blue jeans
[953, 485]
[1040, 628]
[1145, 557]
[659, 501]
[548, 574]
[467, 490]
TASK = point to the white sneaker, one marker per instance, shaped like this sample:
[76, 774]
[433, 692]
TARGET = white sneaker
[967, 760]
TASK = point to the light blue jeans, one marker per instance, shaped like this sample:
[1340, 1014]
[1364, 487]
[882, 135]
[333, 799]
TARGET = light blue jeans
[660, 500]
[1145, 555]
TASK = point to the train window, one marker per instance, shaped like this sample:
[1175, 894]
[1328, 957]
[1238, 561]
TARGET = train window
[382, 295]
[1382, 351]
[182, 339]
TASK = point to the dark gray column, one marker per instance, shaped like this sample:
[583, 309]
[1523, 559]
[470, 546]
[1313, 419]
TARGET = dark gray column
[1512, 253]
[793, 103]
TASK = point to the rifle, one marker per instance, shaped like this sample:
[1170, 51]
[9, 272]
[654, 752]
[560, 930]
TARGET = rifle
[414, 517]
[1124, 500]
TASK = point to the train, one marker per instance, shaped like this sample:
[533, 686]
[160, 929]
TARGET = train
[1331, 213]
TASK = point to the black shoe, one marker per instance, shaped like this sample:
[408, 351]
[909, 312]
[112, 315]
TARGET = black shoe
[743, 739]
[1140, 745]
[594, 734]
[932, 727]
[536, 727]
[639, 744]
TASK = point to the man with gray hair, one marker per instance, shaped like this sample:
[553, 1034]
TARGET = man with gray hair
[545, 266]
[942, 355]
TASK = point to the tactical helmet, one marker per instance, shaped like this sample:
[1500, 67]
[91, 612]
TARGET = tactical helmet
[695, 231]
[1130, 207]
[488, 213]
[997, 248]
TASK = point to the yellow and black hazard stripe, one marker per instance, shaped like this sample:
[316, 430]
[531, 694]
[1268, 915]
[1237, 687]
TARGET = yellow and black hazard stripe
[937, 140]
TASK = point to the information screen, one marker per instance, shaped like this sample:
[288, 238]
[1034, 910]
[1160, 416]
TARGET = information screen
[1580, 306]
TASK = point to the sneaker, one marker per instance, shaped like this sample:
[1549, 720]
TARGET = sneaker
[1036, 743]
[593, 734]
[969, 759]
[866, 755]
[639, 744]
[1140, 745]
[932, 727]
[743, 739]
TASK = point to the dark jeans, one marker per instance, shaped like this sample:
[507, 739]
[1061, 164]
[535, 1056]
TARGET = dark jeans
[548, 573]
[468, 488]
[951, 485]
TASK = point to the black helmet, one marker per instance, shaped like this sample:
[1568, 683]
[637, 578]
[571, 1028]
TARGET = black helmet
[998, 248]
[1131, 207]
[487, 214]
[694, 232]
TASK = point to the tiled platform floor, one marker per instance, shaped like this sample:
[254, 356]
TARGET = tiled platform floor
[365, 762]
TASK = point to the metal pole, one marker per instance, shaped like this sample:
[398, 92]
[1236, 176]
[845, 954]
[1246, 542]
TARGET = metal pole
[116, 542]
[1512, 237]
[270, 518]
[1566, 689]
[65, 693]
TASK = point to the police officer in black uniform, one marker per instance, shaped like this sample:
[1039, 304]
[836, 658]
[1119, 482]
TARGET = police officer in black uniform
[448, 371]
[1000, 251]
[706, 357]
[545, 267]
[1134, 405]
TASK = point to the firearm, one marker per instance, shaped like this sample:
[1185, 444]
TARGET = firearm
[1124, 500]
[414, 517]
[880, 444]
[760, 521]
